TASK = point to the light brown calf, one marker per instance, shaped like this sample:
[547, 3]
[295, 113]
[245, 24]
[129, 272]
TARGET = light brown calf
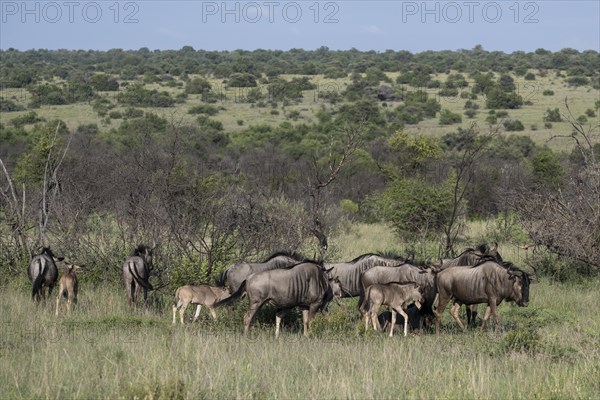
[396, 296]
[68, 287]
[201, 295]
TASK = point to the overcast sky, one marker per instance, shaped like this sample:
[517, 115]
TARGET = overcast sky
[365, 25]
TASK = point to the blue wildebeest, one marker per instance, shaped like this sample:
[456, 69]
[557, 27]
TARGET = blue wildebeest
[489, 283]
[200, 295]
[43, 273]
[424, 277]
[235, 274]
[136, 273]
[68, 287]
[349, 272]
[303, 285]
[397, 296]
[471, 257]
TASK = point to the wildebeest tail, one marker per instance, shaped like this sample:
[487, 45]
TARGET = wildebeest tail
[233, 298]
[220, 281]
[364, 305]
[139, 280]
[37, 282]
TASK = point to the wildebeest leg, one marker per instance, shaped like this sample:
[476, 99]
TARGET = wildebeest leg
[305, 320]
[175, 306]
[405, 316]
[278, 316]
[486, 316]
[249, 316]
[374, 307]
[495, 314]
[442, 303]
[213, 313]
[471, 314]
[454, 312]
[310, 314]
[145, 296]
[184, 307]
[197, 314]
[57, 303]
[393, 323]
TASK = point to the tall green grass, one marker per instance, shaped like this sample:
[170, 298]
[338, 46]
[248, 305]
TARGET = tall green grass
[104, 350]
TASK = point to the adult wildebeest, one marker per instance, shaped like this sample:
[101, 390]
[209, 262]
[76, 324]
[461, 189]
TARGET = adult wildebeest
[349, 272]
[471, 257]
[424, 277]
[235, 274]
[67, 287]
[200, 295]
[489, 283]
[303, 285]
[43, 273]
[136, 273]
[397, 296]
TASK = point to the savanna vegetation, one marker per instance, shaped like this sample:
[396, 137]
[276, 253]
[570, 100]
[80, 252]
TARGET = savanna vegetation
[226, 156]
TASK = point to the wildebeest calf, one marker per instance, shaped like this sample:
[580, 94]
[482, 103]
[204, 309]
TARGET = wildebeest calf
[397, 296]
[68, 287]
[201, 295]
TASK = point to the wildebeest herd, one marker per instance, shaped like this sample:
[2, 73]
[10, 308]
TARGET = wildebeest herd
[287, 280]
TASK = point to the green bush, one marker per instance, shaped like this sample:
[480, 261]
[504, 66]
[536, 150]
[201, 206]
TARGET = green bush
[448, 117]
[415, 206]
[513, 125]
[522, 340]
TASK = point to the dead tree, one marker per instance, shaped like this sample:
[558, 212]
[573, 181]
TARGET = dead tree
[324, 174]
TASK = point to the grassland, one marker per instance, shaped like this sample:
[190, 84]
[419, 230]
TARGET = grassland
[234, 109]
[549, 350]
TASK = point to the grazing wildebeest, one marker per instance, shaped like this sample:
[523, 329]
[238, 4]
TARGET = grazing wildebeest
[471, 257]
[67, 287]
[200, 295]
[43, 273]
[397, 296]
[489, 283]
[303, 285]
[349, 272]
[423, 277]
[136, 273]
[385, 320]
[235, 274]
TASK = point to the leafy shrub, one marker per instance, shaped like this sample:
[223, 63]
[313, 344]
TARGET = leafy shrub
[552, 115]
[241, 79]
[513, 125]
[198, 86]
[577, 81]
[548, 92]
[137, 95]
[204, 109]
[414, 206]
[26, 119]
[7, 105]
[448, 117]
[530, 76]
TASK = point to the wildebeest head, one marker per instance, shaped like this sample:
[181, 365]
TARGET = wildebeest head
[46, 251]
[415, 297]
[145, 252]
[334, 291]
[520, 286]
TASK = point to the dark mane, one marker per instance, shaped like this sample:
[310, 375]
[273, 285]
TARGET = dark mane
[393, 255]
[483, 248]
[484, 259]
[46, 250]
[140, 250]
[291, 254]
[305, 261]
[361, 257]
[465, 251]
